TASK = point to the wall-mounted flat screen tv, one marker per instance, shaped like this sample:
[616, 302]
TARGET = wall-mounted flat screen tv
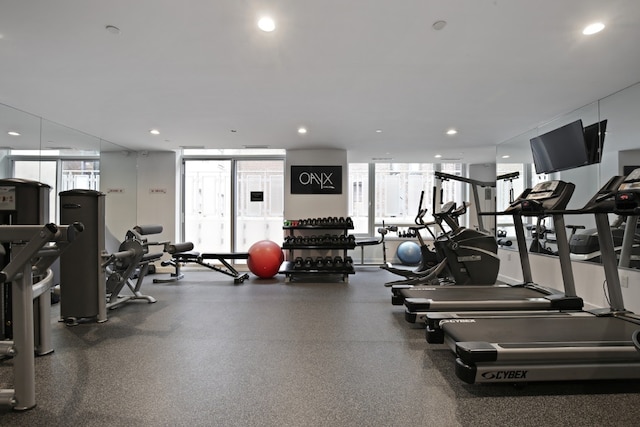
[561, 149]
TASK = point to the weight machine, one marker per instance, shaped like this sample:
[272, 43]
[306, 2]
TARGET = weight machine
[30, 278]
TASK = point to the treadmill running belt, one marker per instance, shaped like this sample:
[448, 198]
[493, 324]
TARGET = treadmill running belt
[556, 330]
[454, 293]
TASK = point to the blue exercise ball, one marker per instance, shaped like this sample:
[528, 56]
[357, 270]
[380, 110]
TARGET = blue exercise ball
[409, 253]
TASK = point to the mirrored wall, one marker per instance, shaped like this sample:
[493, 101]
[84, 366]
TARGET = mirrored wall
[621, 149]
[37, 149]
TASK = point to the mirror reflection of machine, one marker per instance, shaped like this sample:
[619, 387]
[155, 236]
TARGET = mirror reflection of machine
[585, 245]
[626, 238]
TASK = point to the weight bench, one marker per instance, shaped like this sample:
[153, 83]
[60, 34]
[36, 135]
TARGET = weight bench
[198, 258]
[366, 241]
[372, 241]
[174, 249]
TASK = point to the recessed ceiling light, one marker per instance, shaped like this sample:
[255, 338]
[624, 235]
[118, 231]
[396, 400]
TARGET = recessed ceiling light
[13, 133]
[437, 156]
[154, 132]
[438, 25]
[452, 132]
[378, 130]
[506, 156]
[596, 27]
[266, 24]
[112, 29]
[302, 130]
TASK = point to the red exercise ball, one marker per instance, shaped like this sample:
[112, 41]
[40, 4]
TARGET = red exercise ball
[265, 258]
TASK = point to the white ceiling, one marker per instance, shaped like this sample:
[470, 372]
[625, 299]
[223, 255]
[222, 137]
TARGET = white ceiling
[198, 69]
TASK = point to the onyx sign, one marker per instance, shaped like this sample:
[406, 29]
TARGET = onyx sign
[316, 179]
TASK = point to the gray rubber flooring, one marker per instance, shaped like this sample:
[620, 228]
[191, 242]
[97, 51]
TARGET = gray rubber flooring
[269, 353]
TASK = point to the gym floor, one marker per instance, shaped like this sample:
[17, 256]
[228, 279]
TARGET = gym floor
[269, 353]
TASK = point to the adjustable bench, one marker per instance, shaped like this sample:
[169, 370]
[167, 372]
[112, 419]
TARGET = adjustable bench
[366, 241]
[180, 258]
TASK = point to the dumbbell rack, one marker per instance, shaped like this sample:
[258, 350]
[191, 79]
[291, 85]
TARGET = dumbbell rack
[328, 234]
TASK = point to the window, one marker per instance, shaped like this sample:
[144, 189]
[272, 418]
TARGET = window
[397, 191]
[359, 197]
[80, 174]
[207, 204]
[220, 213]
[259, 219]
[398, 187]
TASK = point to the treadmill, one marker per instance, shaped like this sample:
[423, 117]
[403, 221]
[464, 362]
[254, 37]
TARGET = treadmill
[598, 202]
[593, 345]
[527, 296]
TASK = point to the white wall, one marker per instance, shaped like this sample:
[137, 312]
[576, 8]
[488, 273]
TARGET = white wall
[158, 192]
[589, 278]
[140, 189]
[300, 206]
[628, 158]
[118, 181]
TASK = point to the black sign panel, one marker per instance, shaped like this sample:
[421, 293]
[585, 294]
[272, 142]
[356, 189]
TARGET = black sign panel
[257, 196]
[316, 179]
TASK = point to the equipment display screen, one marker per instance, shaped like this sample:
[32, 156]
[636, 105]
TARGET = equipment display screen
[632, 181]
[7, 198]
[543, 190]
[545, 186]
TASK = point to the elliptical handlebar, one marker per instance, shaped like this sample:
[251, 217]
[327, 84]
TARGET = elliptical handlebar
[419, 220]
[451, 209]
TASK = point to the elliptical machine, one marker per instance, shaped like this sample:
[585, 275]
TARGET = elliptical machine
[464, 256]
[471, 256]
[428, 257]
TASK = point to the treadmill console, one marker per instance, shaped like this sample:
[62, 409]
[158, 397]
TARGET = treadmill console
[628, 195]
[543, 190]
[547, 195]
